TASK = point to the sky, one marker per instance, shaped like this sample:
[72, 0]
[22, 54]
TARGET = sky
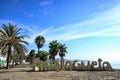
[89, 28]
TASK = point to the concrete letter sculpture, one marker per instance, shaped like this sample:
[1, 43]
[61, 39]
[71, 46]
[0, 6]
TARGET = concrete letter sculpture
[69, 65]
[55, 64]
[36, 63]
[93, 64]
[107, 67]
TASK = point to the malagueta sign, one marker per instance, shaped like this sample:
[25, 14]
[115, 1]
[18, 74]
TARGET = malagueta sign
[71, 65]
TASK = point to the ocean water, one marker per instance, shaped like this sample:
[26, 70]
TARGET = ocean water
[115, 65]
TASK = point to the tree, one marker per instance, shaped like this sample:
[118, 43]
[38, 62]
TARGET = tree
[20, 56]
[11, 39]
[17, 57]
[13, 57]
[53, 49]
[31, 55]
[42, 55]
[62, 51]
[39, 40]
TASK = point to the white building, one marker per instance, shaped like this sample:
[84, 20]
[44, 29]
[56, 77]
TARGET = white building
[3, 62]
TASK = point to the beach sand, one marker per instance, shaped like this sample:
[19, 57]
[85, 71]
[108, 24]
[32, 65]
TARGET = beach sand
[28, 74]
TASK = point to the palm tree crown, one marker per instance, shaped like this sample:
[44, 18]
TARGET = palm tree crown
[39, 40]
[62, 50]
[53, 49]
[31, 55]
[11, 39]
[42, 55]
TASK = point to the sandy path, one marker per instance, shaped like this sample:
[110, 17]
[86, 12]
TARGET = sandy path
[27, 74]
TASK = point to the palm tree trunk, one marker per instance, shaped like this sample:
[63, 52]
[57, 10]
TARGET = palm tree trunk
[13, 63]
[53, 58]
[62, 63]
[38, 50]
[8, 56]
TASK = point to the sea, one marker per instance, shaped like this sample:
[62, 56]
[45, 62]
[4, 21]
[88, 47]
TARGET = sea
[115, 65]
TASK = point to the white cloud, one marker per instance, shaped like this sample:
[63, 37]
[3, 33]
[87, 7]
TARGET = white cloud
[31, 15]
[24, 27]
[46, 31]
[46, 3]
[26, 30]
[47, 7]
[103, 24]
[5, 21]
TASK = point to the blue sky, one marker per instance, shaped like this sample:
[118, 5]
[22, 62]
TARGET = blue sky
[89, 28]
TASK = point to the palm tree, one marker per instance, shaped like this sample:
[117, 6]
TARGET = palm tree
[42, 55]
[17, 57]
[39, 40]
[21, 56]
[53, 49]
[14, 58]
[31, 55]
[62, 51]
[11, 39]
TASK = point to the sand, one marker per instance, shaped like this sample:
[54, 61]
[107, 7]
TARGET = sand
[28, 74]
